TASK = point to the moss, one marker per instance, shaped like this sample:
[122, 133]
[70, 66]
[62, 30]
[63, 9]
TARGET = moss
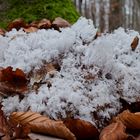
[37, 9]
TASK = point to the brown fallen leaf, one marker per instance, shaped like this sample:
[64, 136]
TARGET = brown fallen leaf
[4, 130]
[20, 132]
[30, 29]
[36, 136]
[89, 77]
[114, 131]
[53, 128]
[60, 23]
[134, 43]
[98, 34]
[14, 81]
[17, 76]
[83, 130]
[51, 68]
[36, 76]
[17, 24]
[130, 120]
[2, 32]
[24, 118]
[44, 24]
[34, 24]
[42, 124]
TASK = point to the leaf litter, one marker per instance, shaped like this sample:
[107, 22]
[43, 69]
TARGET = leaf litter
[91, 76]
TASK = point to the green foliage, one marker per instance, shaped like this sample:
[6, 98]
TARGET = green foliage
[37, 9]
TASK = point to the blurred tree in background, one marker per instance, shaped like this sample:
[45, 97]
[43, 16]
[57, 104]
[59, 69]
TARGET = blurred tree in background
[111, 14]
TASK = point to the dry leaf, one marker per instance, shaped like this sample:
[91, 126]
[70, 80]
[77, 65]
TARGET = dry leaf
[51, 68]
[2, 32]
[24, 118]
[36, 76]
[35, 136]
[89, 77]
[98, 34]
[21, 132]
[53, 128]
[12, 81]
[4, 130]
[34, 24]
[60, 23]
[44, 24]
[17, 23]
[42, 124]
[83, 130]
[130, 120]
[114, 131]
[134, 43]
[15, 77]
[30, 29]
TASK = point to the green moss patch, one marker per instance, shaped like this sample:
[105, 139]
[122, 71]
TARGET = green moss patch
[32, 10]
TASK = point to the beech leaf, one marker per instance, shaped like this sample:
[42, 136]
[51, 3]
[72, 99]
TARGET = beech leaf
[42, 124]
[17, 24]
[2, 32]
[82, 129]
[130, 120]
[35, 136]
[21, 132]
[37, 75]
[60, 23]
[44, 24]
[4, 130]
[134, 43]
[34, 24]
[30, 29]
[12, 81]
[114, 131]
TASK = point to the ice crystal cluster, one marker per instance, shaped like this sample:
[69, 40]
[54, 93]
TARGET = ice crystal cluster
[94, 73]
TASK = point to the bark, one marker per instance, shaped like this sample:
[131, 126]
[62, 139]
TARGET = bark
[111, 14]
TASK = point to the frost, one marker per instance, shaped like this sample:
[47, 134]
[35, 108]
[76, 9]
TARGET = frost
[102, 55]
[10, 104]
[94, 74]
